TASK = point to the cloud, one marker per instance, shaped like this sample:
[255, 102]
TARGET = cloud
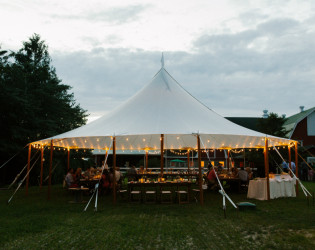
[269, 65]
[114, 15]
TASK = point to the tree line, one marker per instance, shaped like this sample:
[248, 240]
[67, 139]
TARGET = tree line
[34, 103]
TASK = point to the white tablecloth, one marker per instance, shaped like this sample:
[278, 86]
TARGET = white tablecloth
[279, 187]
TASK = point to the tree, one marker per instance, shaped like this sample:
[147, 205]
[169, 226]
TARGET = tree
[273, 125]
[34, 103]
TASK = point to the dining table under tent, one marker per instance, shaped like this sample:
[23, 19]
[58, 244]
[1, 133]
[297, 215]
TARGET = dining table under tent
[162, 116]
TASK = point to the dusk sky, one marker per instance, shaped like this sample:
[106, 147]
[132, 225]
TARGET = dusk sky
[237, 57]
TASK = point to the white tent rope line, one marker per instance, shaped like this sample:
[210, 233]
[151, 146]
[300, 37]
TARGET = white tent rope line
[97, 184]
[302, 186]
[19, 174]
[12, 157]
[47, 177]
[278, 166]
[224, 194]
[22, 180]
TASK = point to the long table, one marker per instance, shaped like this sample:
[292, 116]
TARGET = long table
[279, 187]
[143, 186]
[156, 175]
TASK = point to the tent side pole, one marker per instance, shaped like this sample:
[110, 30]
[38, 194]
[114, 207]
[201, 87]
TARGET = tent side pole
[41, 166]
[114, 166]
[188, 163]
[228, 160]
[28, 168]
[296, 168]
[267, 168]
[290, 158]
[106, 155]
[162, 155]
[50, 167]
[146, 160]
[200, 174]
[68, 160]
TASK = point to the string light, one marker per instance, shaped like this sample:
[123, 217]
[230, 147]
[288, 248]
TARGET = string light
[236, 151]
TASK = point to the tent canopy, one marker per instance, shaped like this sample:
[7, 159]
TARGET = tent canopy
[162, 107]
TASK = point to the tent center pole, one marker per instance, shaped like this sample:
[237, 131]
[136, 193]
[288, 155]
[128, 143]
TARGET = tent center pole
[162, 155]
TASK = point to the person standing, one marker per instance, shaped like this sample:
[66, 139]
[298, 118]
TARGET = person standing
[304, 171]
[285, 166]
[293, 167]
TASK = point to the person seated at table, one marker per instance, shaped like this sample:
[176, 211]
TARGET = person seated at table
[117, 176]
[78, 176]
[87, 173]
[211, 179]
[103, 166]
[220, 168]
[234, 172]
[105, 182]
[132, 173]
[205, 175]
[243, 175]
[69, 179]
[249, 172]
[141, 170]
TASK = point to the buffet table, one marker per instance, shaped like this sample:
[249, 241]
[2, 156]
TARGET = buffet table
[280, 186]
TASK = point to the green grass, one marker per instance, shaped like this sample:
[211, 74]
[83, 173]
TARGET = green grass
[33, 222]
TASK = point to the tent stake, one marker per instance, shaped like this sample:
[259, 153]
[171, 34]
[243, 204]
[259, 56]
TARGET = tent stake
[28, 168]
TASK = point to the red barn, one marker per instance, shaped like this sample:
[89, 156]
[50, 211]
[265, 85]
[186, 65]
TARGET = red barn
[302, 128]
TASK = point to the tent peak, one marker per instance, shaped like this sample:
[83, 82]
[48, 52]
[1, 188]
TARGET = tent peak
[162, 60]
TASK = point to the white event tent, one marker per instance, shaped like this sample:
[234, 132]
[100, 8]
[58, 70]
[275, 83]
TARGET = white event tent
[162, 115]
[162, 107]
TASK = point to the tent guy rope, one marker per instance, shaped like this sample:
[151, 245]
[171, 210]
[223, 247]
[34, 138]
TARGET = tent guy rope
[23, 180]
[19, 174]
[95, 192]
[12, 157]
[221, 191]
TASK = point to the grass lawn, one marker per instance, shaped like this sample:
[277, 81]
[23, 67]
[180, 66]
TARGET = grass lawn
[33, 222]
